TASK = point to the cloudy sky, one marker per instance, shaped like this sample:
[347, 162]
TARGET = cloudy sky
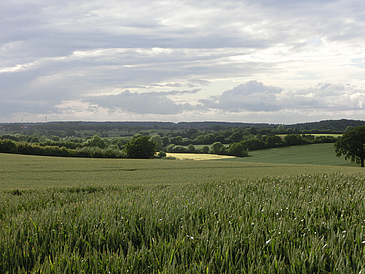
[274, 61]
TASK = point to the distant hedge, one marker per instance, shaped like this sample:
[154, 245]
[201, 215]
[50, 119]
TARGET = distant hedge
[9, 146]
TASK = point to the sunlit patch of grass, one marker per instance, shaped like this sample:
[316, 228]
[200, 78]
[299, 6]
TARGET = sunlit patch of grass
[192, 156]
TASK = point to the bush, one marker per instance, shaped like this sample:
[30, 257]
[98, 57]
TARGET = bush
[140, 148]
[237, 149]
[7, 146]
[161, 154]
[293, 140]
[217, 148]
[253, 144]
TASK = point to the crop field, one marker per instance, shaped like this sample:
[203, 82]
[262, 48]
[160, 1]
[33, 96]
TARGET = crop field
[331, 135]
[297, 224]
[28, 172]
[316, 154]
[193, 156]
[71, 215]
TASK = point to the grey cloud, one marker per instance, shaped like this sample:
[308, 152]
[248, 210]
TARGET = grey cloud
[252, 96]
[176, 92]
[199, 82]
[143, 103]
[8, 107]
[255, 96]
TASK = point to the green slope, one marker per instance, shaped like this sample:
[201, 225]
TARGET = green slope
[316, 154]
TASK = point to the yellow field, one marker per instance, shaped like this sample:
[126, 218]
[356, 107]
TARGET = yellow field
[191, 156]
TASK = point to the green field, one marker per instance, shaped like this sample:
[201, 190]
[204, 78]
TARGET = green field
[316, 154]
[258, 214]
[22, 171]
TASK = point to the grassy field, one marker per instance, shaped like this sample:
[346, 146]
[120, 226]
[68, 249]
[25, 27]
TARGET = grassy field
[70, 215]
[22, 171]
[316, 154]
[297, 224]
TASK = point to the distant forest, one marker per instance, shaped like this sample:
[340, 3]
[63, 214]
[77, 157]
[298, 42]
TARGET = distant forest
[326, 126]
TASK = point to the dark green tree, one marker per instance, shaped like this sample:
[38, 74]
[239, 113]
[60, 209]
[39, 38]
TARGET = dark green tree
[140, 148]
[205, 149]
[253, 144]
[191, 148]
[351, 145]
[237, 149]
[96, 141]
[274, 141]
[235, 137]
[293, 140]
[217, 148]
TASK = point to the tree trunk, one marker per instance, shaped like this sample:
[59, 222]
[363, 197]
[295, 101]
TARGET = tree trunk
[362, 162]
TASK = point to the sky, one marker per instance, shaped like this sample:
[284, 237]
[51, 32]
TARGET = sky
[253, 61]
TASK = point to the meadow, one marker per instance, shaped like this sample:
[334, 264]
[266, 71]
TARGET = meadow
[67, 215]
[315, 154]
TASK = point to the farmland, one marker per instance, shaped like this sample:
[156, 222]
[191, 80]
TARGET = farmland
[256, 214]
[23, 171]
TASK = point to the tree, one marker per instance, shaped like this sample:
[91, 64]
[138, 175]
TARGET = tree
[205, 149]
[217, 148]
[191, 148]
[235, 137]
[293, 140]
[280, 129]
[96, 141]
[158, 140]
[274, 141]
[253, 144]
[351, 145]
[237, 149]
[140, 148]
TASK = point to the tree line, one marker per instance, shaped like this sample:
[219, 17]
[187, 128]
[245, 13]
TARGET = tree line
[332, 125]
[140, 146]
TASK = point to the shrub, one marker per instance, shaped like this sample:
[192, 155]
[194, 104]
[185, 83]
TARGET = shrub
[161, 154]
[140, 148]
[237, 149]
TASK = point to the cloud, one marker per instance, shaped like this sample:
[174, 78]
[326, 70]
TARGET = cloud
[143, 103]
[53, 52]
[257, 97]
[252, 96]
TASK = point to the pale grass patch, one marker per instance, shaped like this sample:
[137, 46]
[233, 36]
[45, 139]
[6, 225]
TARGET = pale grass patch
[192, 156]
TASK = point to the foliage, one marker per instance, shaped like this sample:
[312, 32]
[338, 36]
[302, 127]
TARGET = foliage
[324, 139]
[298, 224]
[217, 148]
[161, 154]
[157, 140]
[96, 141]
[236, 137]
[253, 144]
[140, 148]
[205, 149]
[237, 149]
[352, 145]
[190, 148]
[7, 146]
[293, 140]
[280, 129]
[274, 141]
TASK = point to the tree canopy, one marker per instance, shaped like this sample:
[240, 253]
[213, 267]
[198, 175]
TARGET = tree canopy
[140, 148]
[351, 145]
